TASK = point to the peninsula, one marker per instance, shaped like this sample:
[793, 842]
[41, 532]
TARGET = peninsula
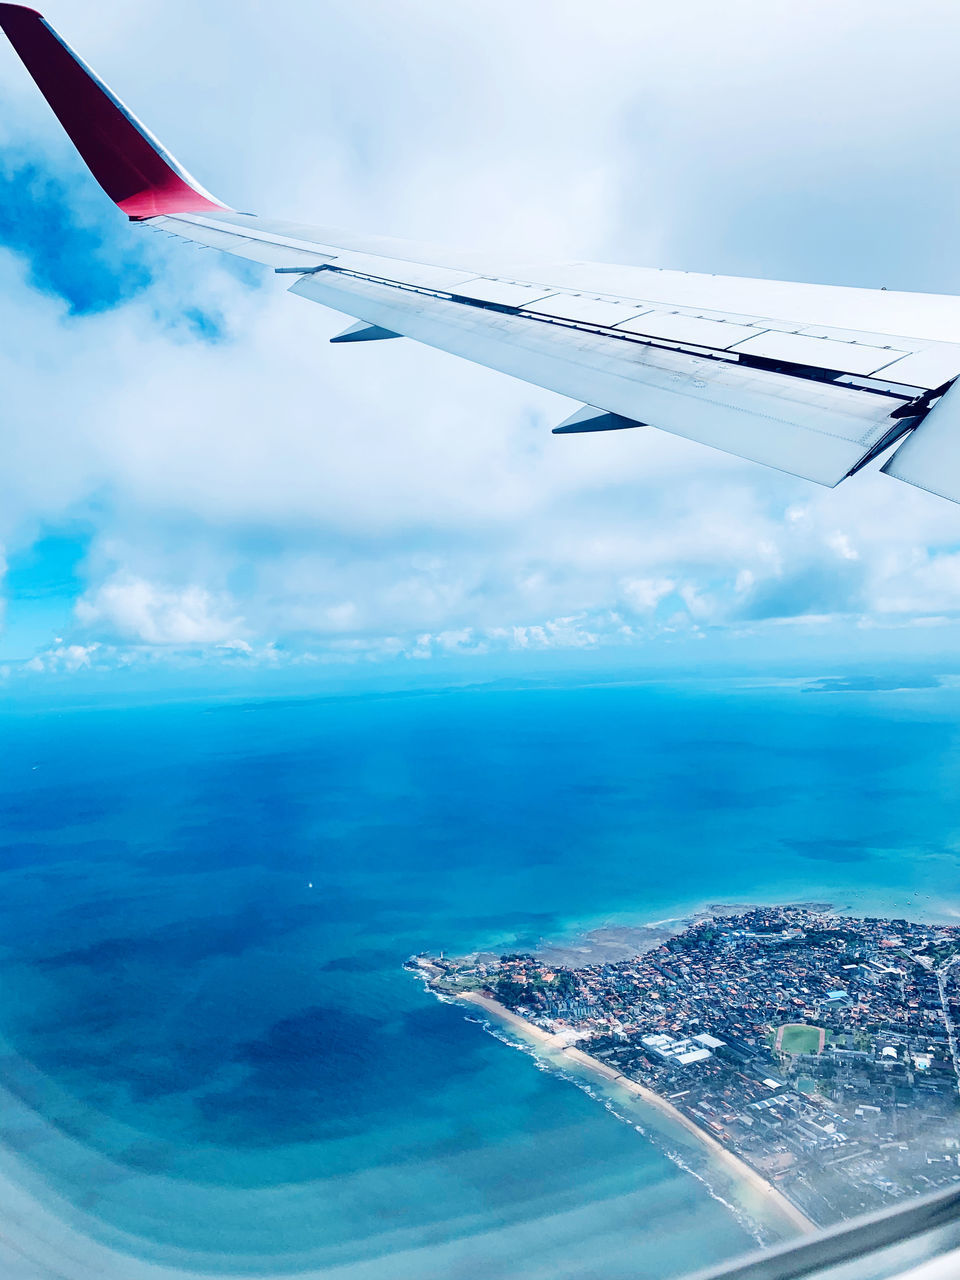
[815, 1054]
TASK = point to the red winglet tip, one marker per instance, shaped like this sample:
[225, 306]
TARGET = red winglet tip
[18, 11]
[135, 171]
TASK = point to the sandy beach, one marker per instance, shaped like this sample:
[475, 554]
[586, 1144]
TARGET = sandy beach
[737, 1167]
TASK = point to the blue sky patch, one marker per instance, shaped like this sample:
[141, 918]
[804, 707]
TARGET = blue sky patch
[81, 250]
[90, 267]
[48, 568]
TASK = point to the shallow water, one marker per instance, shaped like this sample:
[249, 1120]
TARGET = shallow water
[214, 1059]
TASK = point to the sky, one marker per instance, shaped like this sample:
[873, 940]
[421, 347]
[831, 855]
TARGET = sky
[195, 481]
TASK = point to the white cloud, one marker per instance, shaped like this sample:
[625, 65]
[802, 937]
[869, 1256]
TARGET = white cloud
[841, 544]
[644, 594]
[64, 657]
[137, 610]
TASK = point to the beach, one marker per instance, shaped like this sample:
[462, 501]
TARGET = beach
[770, 1195]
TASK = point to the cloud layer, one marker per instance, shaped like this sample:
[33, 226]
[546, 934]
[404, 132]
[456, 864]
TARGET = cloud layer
[236, 484]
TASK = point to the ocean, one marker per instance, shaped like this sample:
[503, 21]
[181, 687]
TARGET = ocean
[211, 1058]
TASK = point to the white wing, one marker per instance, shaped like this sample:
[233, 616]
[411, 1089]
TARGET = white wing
[815, 380]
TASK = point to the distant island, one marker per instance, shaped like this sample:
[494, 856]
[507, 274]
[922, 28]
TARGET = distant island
[815, 1053]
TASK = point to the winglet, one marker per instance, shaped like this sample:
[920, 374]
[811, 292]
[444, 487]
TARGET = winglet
[138, 174]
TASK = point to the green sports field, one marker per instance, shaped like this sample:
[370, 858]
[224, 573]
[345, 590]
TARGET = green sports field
[797, 1038]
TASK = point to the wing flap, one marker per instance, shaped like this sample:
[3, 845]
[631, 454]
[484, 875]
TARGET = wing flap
[929, 368]
[719, 335]
[811, 429]
[599, 311]
[503, 293]
[822, 353]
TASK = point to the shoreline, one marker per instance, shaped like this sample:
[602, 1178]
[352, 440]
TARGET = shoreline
[733, 1163]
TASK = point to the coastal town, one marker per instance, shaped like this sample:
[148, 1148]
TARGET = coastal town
[820, 1050]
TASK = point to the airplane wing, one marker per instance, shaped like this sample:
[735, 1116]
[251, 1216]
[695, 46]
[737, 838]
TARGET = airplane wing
[814, 380]
[916, 1240]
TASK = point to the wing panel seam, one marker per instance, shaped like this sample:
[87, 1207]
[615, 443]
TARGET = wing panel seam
[636, 340]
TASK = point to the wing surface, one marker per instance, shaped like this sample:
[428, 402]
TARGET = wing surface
[814, 380]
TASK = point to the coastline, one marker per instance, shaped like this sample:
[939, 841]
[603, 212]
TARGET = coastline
[743, 1172]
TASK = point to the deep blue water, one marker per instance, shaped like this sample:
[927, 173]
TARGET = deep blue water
[212, 1055]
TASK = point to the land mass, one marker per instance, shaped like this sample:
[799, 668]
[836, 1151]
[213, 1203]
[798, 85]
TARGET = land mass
[814, 1055]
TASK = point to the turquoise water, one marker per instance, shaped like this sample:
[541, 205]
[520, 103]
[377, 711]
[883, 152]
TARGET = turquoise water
[213, 1059]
